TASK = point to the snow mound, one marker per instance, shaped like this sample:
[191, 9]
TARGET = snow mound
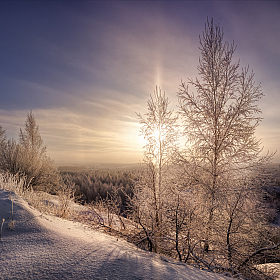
[47, 247]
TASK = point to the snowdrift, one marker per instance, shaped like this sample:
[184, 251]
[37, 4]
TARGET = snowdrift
[47, 247]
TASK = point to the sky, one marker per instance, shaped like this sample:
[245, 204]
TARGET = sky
[85, 68]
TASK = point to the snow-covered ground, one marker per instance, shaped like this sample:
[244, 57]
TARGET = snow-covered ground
[47, 247]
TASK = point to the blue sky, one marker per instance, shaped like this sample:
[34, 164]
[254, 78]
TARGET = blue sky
[85, 67]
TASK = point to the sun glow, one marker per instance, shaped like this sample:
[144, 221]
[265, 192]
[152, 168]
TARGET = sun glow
[157, 135]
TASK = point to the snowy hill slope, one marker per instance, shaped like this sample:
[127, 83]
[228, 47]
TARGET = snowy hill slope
[47, 247]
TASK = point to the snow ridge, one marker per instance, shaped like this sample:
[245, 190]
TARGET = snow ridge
[47, 247]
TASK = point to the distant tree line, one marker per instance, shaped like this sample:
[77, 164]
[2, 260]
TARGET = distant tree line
[98, 185]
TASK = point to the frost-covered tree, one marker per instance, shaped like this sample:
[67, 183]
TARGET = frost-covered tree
[28, 158]
[160, 131]
[30, 138]
[37, 168]
[10, 155]
[3, 142]
[220, 115]
[2, 136]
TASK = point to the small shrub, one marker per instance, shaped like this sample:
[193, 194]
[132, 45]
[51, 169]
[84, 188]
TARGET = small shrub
[65, 197]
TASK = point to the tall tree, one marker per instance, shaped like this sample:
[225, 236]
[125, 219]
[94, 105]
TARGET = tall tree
[30, 138]
[159, 129]
[219, 121]
[37, 168]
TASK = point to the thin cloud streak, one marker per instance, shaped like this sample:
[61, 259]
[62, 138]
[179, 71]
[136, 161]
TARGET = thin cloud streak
[82, 138]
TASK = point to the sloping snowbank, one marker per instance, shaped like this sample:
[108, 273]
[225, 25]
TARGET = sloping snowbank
[46, 247]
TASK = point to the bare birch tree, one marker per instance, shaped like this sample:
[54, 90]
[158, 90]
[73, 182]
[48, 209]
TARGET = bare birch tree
[160, 131]
[222, 152]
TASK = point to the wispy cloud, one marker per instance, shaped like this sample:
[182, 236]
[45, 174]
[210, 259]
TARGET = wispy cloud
[85, 71]
[92, 135]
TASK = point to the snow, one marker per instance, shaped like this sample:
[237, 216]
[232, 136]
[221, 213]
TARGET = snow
[43, 246]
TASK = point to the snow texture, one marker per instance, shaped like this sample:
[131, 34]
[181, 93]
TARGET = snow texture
[47, 247]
